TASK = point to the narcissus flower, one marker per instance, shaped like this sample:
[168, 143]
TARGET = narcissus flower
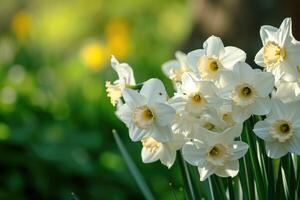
[248, 89]
[174, 69]
[281, 129]
[146, 113]
[215, 153]
[163, 151]
[195, 96]
[280, 51]
[126, 78]
[209, 62]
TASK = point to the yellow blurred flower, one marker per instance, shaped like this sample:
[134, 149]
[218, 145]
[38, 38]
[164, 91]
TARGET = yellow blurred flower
[118, 38]
[94, 55]
[21, 24]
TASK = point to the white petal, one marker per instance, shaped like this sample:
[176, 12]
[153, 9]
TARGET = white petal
[164, 114]
[149, 157]
[193, 59]
[133, 98]
[285, 32]
[261, 129]
[169, 65]
[286, 91]
[182, 58]
[161, 133]
[293, 52]
[213, 46]
[239, 150]
[193, 155]
[189, 84]
[231, 56]
[177, 141]
[268, 33]
[124, 71]
[278, 109]
[178, 102]
[206, 171]
[230, 169]
[259, 59]
[227, 82]
[229, 134]
[261, 106]
[293, 110]
[264, 83]
[168, 156]
[275, 149]
[154, 90]
[114, 62]
[241, 114]
[124, 113]
[289, 70]
[244, 72]
[294, 146]
[137, 134]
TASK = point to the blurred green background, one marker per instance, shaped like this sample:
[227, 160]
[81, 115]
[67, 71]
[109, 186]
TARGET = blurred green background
[55, 118]
[56, 121]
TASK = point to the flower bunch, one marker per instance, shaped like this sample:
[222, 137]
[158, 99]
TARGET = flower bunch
[216, 96]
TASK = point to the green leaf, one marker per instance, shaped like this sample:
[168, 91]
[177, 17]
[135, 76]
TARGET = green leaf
[186, 178]
[289, 177]
[132, 168]
[256, 168]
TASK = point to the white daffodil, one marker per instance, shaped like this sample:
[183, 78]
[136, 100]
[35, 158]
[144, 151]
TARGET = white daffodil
[195, 96]
[147, 113]
[281, 129]
[175, 68]
[215, 153]
[163, 151]
[184, 123]
[248, 89]
[225, 113]
[126, 77]
[209, 62]
[280, 51]
[211, 120]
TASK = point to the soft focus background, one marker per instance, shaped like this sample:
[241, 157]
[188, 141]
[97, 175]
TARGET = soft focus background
[55, 118]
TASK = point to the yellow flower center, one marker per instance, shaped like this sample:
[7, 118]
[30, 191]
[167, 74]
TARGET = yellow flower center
[197, 98]
[214, 151]
[151, 144]
[227, 117]
[244, 94]
[217, 154]
[282, 130]
[273, 54]
[209, 126]
[246, 91]
[208, 67]
[113, 92]
[143, 117]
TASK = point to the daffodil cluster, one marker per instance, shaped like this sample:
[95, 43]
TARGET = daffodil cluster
[216, 91]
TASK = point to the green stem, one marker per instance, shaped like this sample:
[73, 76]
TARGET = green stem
[186, 178]
[211, 189]
[230, 188]
[279, 184]
[261, 189]
[271, 184]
